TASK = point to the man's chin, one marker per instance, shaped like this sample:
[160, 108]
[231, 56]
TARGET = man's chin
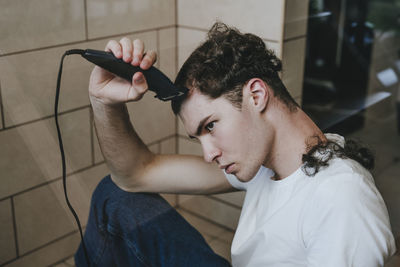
[243, 178]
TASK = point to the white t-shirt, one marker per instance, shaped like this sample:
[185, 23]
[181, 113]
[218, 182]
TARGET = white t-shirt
[336, 218]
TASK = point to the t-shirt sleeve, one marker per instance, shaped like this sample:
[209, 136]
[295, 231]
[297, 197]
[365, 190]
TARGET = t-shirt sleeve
[347, 224]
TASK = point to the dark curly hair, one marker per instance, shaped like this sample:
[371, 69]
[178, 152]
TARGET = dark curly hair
[319, 155]
[223, 64]
[227, 60]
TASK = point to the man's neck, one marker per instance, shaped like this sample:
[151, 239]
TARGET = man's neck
[292, 137]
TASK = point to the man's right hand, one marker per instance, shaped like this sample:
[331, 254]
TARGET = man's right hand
[108, 89]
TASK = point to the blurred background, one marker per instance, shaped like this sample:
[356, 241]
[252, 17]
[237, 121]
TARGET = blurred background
[341, 61]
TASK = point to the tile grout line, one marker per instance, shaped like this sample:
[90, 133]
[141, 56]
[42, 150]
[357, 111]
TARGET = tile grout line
[76, 171]
[224, 202]
[91, 125]
[85, 41]
[15, 226]
[160, 140]
[62, 261]
[68, 112]
[176, 12]
[45, 118]
[176, 72]
[158, 63]
[86, 19]
[206, 30]
[53, 180]
[282, 36]
[8, 262]
[294, 38]
[2, 111]
[159, 147]
[207, 219]
[44, 245]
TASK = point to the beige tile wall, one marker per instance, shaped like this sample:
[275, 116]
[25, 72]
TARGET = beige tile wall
[7, 240]
[34, 36]
[296, 15]
[30, 156]
[210, 231]
[167, 51]
[28, 84]
[49, 254]
[168, 146]
[107, 18]
[153, 119]
[30, 94]
[189, 39]
[294, 45]
[1, 110]
[31, 24]
[293, 65]
[235, 198]
[189, 147]
[212, 209]
[263, 17]
[42, 214]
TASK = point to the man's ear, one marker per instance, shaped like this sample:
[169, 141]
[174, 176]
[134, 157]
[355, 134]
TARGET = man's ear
[257, 92]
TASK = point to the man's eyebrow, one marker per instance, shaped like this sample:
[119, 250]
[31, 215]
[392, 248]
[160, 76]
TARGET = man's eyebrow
[200, 127]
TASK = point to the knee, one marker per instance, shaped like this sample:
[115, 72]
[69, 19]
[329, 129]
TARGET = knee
[110, 204]
[107, 193]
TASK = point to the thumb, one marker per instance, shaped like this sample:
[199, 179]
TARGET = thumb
[139, 86]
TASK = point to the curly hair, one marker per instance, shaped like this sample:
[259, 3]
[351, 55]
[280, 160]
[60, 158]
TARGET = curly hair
[319, 155]
[225, 62]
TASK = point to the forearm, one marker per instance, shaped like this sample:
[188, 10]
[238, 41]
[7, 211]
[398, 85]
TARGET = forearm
[124, 151]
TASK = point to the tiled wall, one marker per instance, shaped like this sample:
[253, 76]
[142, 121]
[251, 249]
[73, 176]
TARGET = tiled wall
[37, 227]
[282, 25]
[294, 45]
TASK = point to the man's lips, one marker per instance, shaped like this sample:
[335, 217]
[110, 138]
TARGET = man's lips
[228, 168]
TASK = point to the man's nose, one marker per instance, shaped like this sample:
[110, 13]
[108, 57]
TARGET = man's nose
[210, 152]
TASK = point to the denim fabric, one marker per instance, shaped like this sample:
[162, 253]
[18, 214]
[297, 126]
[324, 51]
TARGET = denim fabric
[140, 229]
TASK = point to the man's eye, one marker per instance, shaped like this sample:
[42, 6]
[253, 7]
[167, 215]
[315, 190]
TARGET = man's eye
[209, 127]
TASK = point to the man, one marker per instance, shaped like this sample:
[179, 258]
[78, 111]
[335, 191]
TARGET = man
[310, 200]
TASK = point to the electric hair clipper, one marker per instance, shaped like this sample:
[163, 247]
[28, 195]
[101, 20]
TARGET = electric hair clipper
[156, 80]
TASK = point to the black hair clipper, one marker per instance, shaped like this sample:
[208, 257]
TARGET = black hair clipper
[156, 80]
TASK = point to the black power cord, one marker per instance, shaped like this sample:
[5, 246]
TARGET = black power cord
[64, 175]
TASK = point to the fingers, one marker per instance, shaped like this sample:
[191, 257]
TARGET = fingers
[114, 47]
[127, 49]
[132, 52]
[138, 51]
[111, 89]
[148, 60]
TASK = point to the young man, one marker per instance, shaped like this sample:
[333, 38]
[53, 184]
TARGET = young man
[310, 200]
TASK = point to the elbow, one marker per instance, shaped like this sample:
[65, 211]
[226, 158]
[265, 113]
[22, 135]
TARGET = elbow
[130, 180]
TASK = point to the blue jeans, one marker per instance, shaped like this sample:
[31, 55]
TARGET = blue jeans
[140, 229]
